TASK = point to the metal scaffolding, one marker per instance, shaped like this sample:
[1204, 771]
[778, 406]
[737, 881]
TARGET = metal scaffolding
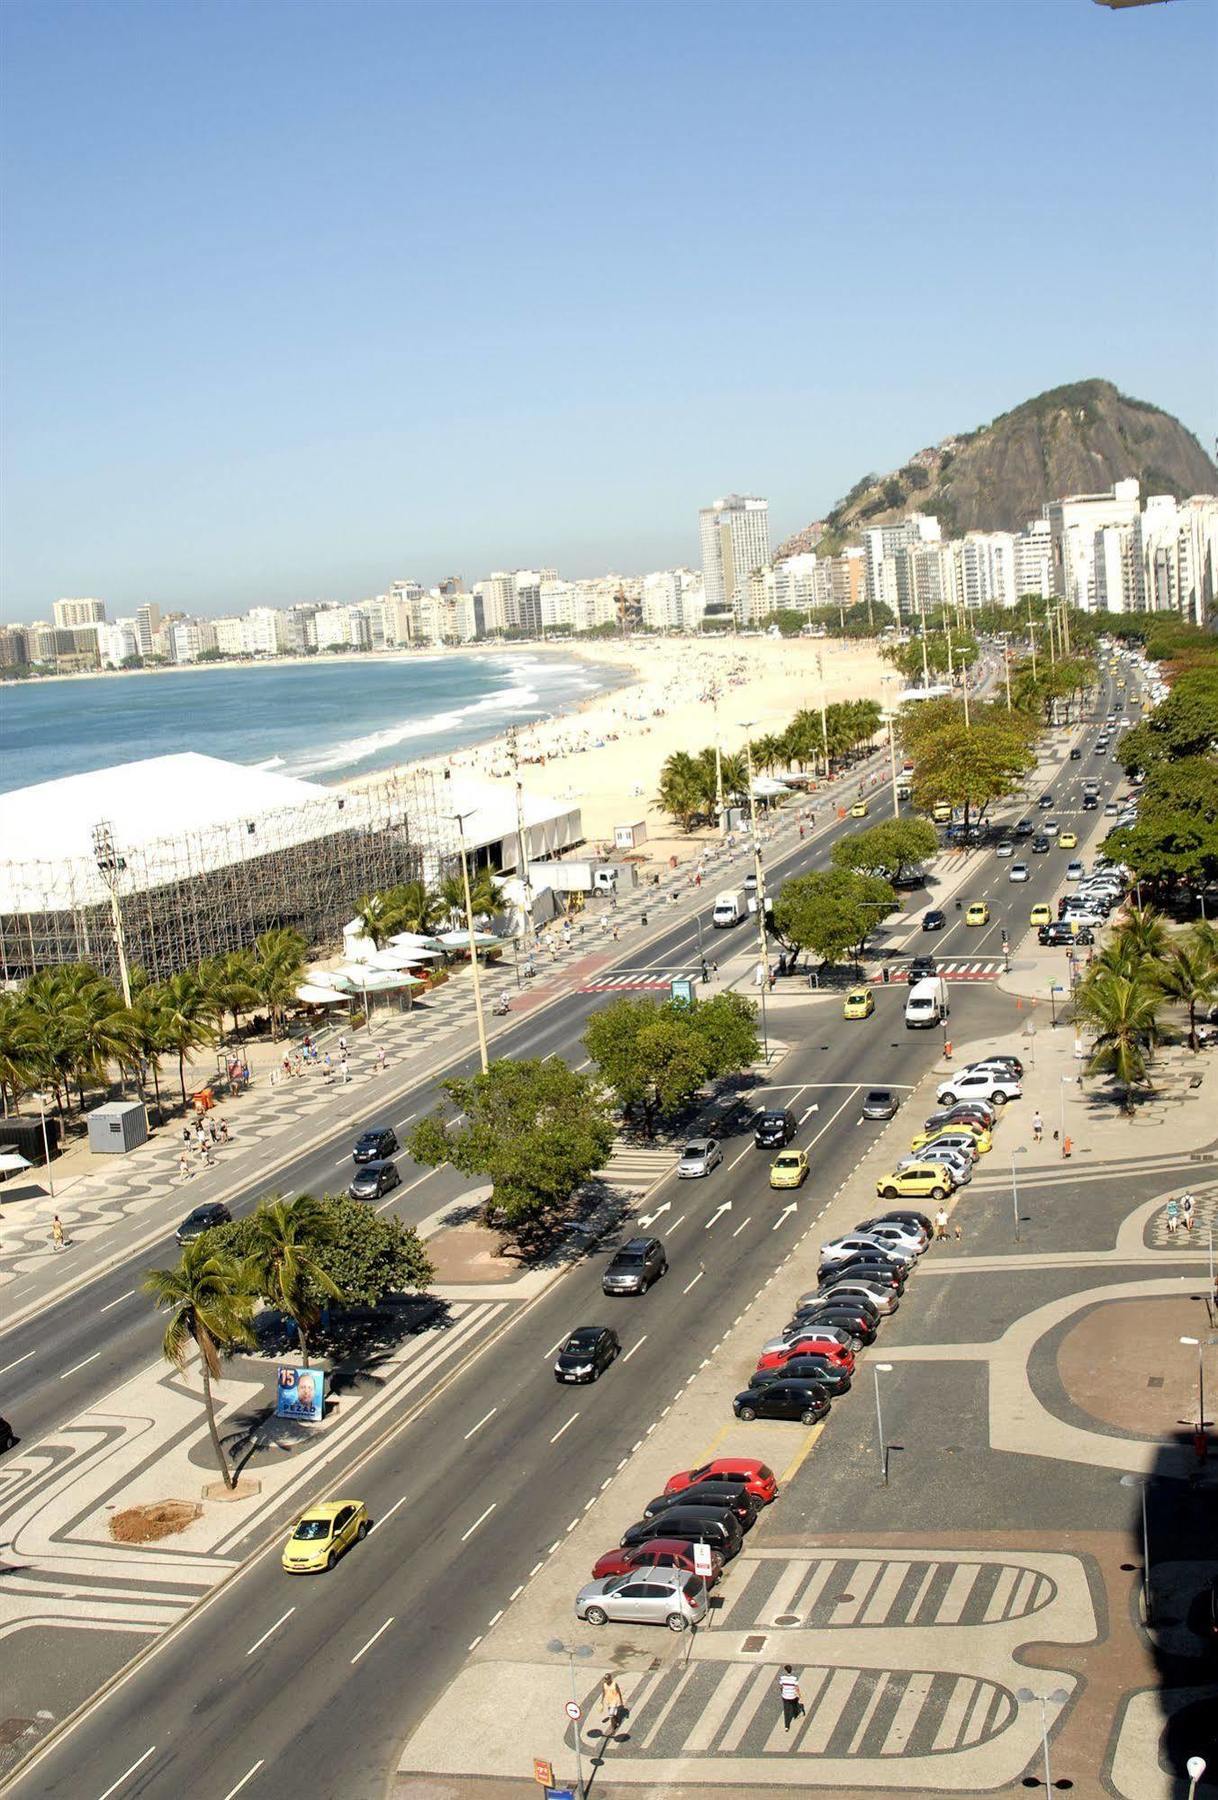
[169, 901]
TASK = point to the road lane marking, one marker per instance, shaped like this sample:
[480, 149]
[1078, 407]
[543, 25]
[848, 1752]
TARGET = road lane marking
[742, 1225]
[385, 1517]
[481, 1422]
[106, 1308]
[343, 1161]
[515, 1593]
[20, 1359]
[635, 1347]
[480, 1520]
[376, 1634]
[266, 1634]
[80, 1365]
[697, 1278]
[248, 1776]
[475, 1643]
[558, 1346]
[492, 1622]
[115, 1785]
[813, 1438]
[677, 1222]
[563, 1428]
[402, 1123]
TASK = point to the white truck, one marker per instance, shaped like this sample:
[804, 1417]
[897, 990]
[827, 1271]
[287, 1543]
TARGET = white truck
[927, 1003]
[729, 909]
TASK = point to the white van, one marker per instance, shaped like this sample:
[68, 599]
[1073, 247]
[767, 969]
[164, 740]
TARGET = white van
[729, 908]
[927, 1003]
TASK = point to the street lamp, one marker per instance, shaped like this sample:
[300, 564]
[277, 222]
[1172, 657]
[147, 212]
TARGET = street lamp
[759, 880]
[1019, 1150]
[1196, 1769]
[878, 1369]
[460, 819]
[1143, 1482]
[1200, 1380]
[1066, 1081]
[571, 1651]
[1058, 1697]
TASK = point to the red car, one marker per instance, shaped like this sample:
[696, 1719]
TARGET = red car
[811, 1345]
[659, 1553]
[757, 1478]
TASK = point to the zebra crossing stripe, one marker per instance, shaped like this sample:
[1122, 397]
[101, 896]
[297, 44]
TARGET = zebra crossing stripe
[829, 1708]
[749, 1707]
[952, 1723]
[716, 1709]
[909, 1711]
[668, 1705]
[954, 1601]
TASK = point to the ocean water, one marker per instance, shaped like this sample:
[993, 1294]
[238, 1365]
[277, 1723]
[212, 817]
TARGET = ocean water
[322, 721]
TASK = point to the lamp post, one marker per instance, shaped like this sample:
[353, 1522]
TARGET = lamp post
[759, 879]
[1058, 1697]
[571, 1651]
[1200, 1380]
[1143, 1482]
[460, 819]
[878, 1369]
[522, 853]
[824, 717]
[1019, 1150]
[1196, 1769]
[892, 763]
[46, 1149]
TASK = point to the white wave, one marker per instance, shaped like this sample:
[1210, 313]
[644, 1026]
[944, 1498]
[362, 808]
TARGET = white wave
[352, 751]
[272, 762]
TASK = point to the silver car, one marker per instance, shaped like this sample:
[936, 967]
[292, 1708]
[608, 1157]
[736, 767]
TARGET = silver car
[841, 1249]
[699, 1157]
[669, 1597]
[958, 1163]
[1018, 872]
[884, 1299]
[880, 1103]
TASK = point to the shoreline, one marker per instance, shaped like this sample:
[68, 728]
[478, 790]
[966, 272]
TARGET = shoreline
[432, 653]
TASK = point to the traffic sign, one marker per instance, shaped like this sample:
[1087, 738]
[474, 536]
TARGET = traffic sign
[543, 1772]
[702, 1559]
[572, 1709]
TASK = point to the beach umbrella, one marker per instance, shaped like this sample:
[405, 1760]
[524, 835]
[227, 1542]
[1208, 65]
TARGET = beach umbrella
[413, 940]
[767, 788]
[482, 940]
[405, 958]
[320, 996]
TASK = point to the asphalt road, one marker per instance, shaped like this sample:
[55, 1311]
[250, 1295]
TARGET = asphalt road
[279, 1686]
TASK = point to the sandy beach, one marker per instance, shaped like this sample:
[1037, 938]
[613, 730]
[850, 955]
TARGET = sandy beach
[607, 754]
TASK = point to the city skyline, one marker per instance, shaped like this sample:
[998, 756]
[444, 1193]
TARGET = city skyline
[248, 364]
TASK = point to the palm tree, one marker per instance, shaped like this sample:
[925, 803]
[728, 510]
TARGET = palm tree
[278, 960]
[376, 916]
[104, 1032]
[769, 751]
[735, 769]
[186, 1018]
[1189, 973]
[230, 981]
[48, 996]
[682, 789]
[1122, 1012]
[148, 1033]
[1144, 931]
[18, 1048]
[414, 907]
[210, 1304]
[484, 898]
[282, 1260]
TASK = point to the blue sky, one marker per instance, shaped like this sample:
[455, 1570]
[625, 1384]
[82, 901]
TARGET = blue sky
[302, 298]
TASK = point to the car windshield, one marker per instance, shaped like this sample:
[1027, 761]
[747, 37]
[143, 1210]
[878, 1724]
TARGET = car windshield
[580, 1343]
[627, 1258]
[786, 1162]
[312, 1529]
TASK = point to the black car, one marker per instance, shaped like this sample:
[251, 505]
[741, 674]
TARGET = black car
[1090, 802]
[373, 1180]
[637, 1264]
[1076, 754]
[694, 1525]
[375, 1145]
[730, 1496]
[921, 967]
[202, 1219]
[1060, 933]
[880, 1103]
[859, 1324]
[1024, 829]
[934, 920]
[587, 1353]
[817, 1369]
[904, 1215]
[1045, 802]
[8, 1437]
[774, 1128]
[1040, 844]
[863, 1268]
[1012, 1063]
[786, 1399]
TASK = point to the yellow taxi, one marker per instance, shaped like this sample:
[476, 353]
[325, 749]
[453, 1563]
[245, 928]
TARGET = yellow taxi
[984, 1141]
[859, 810]
[1041, 915]
[858, 1004]
[1067, 840]
[920, 1181]
[323, 1533]
[977, 914]
[790, 1169]
[942, 813]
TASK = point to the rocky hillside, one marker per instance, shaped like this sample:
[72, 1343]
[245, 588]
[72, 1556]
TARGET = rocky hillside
[1073, 440]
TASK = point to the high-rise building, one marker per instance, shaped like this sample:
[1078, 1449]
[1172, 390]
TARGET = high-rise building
[147, 625]
[1074, 524]
[735, 534]
[264, 631]
[888, 567]
[526, 590]
[69, 614]
[1033, 559]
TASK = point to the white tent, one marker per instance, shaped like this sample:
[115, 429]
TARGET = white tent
[412, 940]
[384, 981]
[765, 787]
[483, 940]
[407, 957]
[320, 996]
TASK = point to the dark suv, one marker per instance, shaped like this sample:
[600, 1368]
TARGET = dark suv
[921, 967]
[375, 1145]
[634, 1268]
[202, 1219]
[773, 1129]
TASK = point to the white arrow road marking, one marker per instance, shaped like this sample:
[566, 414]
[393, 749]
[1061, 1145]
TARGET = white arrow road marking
[726, 1207]
[782, 1215]
[652, 1217]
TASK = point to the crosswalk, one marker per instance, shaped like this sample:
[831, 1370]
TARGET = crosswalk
[636, 980]
[637, 1166]
[820, 1592]
[956, 969]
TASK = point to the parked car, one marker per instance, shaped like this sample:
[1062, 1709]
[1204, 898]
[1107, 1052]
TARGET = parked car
[844, 1316]
[1074, 871]
[965, 1115]
[877, 1271]
[834, 1336]
[917, 1181]
[934, 919]
[694, 1524]
[774, 1127]
[651, 1597]
[373, 1180]
[958, 1163]
[968, 1143]
[587, 1353]
[880, 1103]
[789, 1169]
[732, 1495]
[907, 1238]
[1062, 932]
[757, 1476]
[1041, 914]
[885, 1299]
[811, 1343]
[786, 1399]
[845, 1249]
[8, 1437]
[662, 1553]
[900, 1215]
[203, 1218]
[638, 1263]
[987, 1084]
[698, 1158]
[999, 1060]
[835, 1378]
[375, 1144]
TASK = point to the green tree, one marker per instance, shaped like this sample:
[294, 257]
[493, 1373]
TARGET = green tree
[210, 1305]
[892, 849]
[230, 982]
[104, 1031]
[185, 1018]
[278, 963]
[285, 1267]
[1189, 973]
[831, 911]
[364, 1254]
[656, 1055]
[483, 896]
[535, 1128]
[148, 1034]
[416, 908]
[1122, 1012]
[971, 765]
[19, 1048]
[682, 790]
[376, 917]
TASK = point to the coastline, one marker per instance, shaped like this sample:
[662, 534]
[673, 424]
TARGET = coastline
[431, 653]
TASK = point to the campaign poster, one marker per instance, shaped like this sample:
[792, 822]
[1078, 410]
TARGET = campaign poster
[301, 1394]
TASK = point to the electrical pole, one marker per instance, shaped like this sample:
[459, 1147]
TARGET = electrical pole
[522, 855]
[473, 948]
[1006, 673]
[892, 759]
[759, 877]
[824, 717]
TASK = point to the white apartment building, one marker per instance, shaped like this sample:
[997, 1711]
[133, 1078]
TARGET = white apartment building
[116, 642]
[1074, 524]
[148, 625]
[264, 631]
[735, 537]
[662, 609]
[70, 615]
[230, 636]
[1180, 556]
[577, 605]
[886, 548]
[803, 583]
[1033, 559]
[983, 569]
[189, 638]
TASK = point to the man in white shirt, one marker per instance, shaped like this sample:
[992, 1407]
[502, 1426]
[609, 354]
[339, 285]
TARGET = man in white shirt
[788, 1689]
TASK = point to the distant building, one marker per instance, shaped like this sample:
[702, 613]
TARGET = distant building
[14, 647]
[887, 547]
[1033, 559]
[189, 638]
[147, 625]
[735, 536]
[1075, 524]
[68, 614]
[265, 633]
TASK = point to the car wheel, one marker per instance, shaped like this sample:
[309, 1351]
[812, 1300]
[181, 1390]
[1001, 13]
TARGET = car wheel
[1000, 1098]
[331, 1560]
[362, 1533]
[947, 1099]
[747, 1414]
[809, 1416]
[938, 1193]
[889, 1193]
[596, 1615]
[675, 1622]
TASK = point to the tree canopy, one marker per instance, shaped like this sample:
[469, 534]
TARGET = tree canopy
[968, 765]
[657, 1054]
[831, 911]
[892, 849]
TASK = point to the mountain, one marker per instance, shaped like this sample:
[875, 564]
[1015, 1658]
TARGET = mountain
[1077, 439]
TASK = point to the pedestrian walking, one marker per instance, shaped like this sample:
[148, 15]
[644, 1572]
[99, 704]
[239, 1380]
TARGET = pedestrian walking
[186, 1136]
[1187, 1208]
[58, 1240]
[1173, 1218]
[788, 1693]
[346, 1067]
[342, 1044]
[224, 1131]
[941, 1224]
[184, 1167]
[959, 1232]
[213, 1130]
[612, 1705]
[380, 1057]
[1038, 1128]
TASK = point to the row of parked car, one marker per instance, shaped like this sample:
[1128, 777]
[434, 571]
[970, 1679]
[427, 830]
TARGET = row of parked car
[942, 1154]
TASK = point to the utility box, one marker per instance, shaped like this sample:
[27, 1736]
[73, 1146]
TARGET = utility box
[629, 837]
[117, 1127]
[25, 1136]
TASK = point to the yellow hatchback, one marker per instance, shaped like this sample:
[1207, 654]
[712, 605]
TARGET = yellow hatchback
[918, 1181]
[790, 1169]
[977, 914]
[323, 1533]
[1041, 915]
[1067, 840]
[859, 810]
[858, 1004]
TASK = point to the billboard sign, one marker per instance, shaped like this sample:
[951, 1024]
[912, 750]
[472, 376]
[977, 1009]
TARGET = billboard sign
[300, 1394]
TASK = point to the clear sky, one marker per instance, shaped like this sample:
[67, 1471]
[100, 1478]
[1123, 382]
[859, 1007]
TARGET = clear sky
[302, 298]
